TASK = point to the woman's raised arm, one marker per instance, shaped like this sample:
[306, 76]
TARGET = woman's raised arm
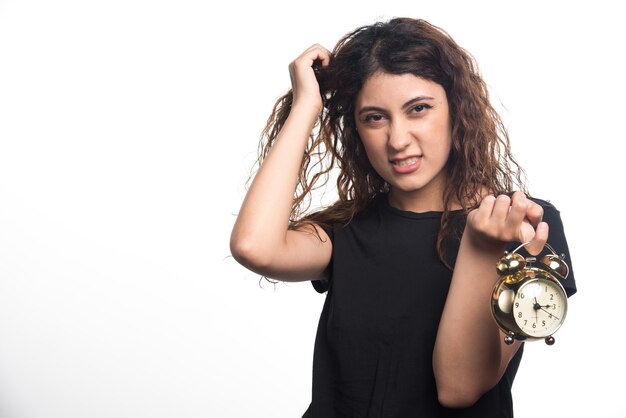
[260, 239]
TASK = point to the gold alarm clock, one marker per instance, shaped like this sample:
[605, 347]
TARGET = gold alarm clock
[529, 303]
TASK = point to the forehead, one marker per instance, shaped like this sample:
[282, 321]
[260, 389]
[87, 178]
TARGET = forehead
[393, 90]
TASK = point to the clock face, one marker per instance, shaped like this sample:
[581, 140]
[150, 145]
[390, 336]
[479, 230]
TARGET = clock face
[539, 307]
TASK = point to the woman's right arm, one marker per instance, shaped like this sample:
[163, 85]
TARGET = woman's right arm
[261, 240]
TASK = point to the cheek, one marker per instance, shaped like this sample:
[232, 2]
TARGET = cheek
[374, 147]
[376, 156]
[447, 143]
[444, 134]
[446, 149]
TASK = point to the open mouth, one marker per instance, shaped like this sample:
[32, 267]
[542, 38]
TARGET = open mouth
[405, 162]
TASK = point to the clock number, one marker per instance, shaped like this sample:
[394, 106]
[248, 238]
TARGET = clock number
[543, 323]
[521, 296]
[535, 325]
[551, 296]
[517, 304]
[525, 321]
[519, 314]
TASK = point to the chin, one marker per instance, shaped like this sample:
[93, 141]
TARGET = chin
[408, 187]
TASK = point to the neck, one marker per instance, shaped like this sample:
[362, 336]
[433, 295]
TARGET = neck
[419, 201]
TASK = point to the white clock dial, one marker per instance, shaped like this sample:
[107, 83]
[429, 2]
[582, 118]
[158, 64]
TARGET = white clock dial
[539, 307]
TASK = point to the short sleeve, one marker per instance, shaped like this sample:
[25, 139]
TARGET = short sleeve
[557, 241]
[322, 285]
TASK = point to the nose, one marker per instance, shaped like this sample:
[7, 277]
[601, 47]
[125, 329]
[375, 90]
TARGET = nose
[399, 135]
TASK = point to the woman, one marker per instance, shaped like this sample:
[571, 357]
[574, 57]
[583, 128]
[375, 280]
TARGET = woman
[407, 253]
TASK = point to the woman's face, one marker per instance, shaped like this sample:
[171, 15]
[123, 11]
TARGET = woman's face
[404, 124]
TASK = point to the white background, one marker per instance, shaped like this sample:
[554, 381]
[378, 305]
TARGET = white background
[127, 131]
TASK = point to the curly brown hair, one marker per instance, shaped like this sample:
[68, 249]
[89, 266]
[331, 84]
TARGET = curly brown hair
[480, 159]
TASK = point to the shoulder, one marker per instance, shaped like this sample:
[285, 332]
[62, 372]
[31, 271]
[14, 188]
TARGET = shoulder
[342, 213]
[550, 212]
[545, 204]
[366, 215]
[557, 239]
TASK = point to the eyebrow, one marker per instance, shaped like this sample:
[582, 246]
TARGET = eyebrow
[404, 106]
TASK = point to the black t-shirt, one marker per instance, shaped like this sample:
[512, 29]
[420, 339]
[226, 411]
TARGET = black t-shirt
[386, 293]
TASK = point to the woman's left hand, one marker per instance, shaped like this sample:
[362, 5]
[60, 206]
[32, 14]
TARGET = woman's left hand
[503, 219]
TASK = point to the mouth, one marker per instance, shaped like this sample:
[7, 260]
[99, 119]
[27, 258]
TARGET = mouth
[405, 162]
[406, 165]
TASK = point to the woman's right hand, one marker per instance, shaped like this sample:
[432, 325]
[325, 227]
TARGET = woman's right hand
[304, 85]
[261, 239]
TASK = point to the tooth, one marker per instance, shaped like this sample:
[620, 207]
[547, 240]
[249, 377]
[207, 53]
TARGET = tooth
[408, 161]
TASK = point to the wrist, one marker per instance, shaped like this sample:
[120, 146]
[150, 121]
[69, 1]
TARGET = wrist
[300, 122]
[308, 108]
[480, 244]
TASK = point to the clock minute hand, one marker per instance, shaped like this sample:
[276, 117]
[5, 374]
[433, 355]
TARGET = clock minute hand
[551, 313]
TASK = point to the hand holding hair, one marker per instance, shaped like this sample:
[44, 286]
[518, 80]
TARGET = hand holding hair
[304, 85]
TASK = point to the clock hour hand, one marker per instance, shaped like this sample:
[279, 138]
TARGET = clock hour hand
[537, 305]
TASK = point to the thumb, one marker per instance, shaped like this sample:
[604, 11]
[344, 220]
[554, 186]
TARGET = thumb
[538, 239]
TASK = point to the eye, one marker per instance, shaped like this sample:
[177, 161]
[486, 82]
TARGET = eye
[373, 118]
[420, 108]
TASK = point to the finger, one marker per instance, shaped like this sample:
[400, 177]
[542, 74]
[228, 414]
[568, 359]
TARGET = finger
[478, 218]
[519, 206]
[317, 47]
[324, 55]
[501, 209]
[525, 233]
[535, 246]
[485, 209]
[534, 213]
[316, 52]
